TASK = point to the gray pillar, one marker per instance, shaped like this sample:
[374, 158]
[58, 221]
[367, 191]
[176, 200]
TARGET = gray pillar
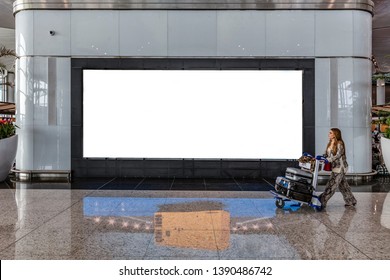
[380, 92]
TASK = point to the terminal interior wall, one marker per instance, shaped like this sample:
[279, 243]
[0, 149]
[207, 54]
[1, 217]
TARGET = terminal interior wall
[340, 42]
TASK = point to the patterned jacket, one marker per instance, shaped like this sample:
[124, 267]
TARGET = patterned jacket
[339, 160]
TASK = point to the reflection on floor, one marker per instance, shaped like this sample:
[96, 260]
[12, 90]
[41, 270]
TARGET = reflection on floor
[187, 219]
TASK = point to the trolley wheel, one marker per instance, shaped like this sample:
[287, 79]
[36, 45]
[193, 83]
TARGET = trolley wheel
[279, 203]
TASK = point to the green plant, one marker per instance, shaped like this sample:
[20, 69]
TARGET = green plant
[4, 52]
[383, 76]
[387, 132]
[382, 117]
[6, 64]
[7, 128]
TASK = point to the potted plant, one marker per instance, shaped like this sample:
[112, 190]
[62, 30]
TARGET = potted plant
[8, 146]
[8, 138]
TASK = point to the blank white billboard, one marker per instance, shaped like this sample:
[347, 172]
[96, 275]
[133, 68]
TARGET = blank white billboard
[208, 114]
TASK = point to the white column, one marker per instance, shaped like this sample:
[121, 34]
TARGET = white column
[343, 100]
[380, 91]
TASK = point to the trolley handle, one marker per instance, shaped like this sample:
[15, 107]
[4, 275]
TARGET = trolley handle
[322, 158]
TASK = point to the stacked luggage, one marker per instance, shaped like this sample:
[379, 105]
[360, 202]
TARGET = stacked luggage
[296, 184]
[299, 184]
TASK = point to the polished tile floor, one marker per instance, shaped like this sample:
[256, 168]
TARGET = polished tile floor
[187, 219]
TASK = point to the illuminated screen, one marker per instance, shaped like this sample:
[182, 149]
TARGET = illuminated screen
[205, 114]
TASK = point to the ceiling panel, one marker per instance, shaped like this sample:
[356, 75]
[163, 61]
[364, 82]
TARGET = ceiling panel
[381, 34]
[6, 16]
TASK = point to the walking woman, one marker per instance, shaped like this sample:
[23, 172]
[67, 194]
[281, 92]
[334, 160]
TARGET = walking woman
[335, 154]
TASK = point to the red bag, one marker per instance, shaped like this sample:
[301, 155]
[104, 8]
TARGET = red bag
[328, 166]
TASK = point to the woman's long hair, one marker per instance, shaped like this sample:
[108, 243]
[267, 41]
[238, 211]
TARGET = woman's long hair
[339, 140]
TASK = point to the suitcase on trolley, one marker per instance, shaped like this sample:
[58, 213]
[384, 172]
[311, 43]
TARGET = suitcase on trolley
[299, 175]
[299, 184]
[294, 189]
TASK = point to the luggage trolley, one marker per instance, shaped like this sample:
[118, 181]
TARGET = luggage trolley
[299, 184]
